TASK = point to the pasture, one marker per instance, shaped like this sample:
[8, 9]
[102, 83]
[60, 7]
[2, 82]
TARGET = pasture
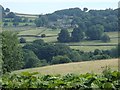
[30, 33]
[78, 68]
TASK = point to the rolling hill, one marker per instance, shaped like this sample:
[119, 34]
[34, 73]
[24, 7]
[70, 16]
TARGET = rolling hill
[79, 67]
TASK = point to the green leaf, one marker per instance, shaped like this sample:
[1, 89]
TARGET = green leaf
[108, 85]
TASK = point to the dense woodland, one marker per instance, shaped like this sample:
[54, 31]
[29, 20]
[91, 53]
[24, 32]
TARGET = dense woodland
[68, 18]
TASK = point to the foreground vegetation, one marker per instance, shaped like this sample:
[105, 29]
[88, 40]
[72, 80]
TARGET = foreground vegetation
[107, 80]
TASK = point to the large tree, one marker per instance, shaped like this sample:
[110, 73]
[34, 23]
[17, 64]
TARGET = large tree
[30, 59]
[64, 36]
[77, 35]
[41, 21]
[95, 32]
[10, 15]
[12, 52]
[105, 38]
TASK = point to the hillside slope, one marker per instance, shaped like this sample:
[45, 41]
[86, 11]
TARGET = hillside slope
[78, 67]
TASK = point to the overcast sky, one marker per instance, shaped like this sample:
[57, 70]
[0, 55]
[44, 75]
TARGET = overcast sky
[49, 6]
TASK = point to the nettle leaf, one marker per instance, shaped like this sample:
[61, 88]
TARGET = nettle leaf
[34, 80]
[115, 74]
[108, 85]
[95, 85]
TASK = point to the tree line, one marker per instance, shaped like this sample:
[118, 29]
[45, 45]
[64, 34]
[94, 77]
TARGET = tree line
[69, 18]
[9, 16]
[95, 32]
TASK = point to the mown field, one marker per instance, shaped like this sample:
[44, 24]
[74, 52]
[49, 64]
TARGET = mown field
[78, 68]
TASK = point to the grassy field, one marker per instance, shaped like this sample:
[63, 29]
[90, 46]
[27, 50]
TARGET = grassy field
[92, 48]
[78, 67]
[51, 36]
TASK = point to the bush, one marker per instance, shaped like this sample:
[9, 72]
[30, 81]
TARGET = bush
[98, 57]
[22, 40]
[105, 38]
[95, 32]
[60, 59]
[30, 59]
[40, 42]
[5, 24]
[15, 24]
[97, 52]
[63, 36]
[77, 35]
[30, 20]
[26, 24]
[43, 35]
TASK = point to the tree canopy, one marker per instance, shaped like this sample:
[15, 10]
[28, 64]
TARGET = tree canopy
[11, 51]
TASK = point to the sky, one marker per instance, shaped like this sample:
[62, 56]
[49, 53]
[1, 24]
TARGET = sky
[49, 6]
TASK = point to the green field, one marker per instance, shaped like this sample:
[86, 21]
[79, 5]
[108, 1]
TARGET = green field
[51, 36]
[92, 48]
[80, 67]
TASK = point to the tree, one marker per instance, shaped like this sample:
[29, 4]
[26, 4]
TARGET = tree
[75, 56]
[85, 9]
[22, 40]
[5, 24]
[97, 52]
[47, 50]
[76, 21]
[115, 52]
[43, 35]
[39, 42]
[64, 36]
[41, 21]
[60, 59]
[7, 10]
[95, 32]
[12, 52]
[77, 35]
[105, 38]
[15, 24]
[17, 19]
[30, 59]
[25, 19]
[10, 15]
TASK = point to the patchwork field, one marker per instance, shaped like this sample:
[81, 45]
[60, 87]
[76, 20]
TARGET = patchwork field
[33, 33]
[80, 67]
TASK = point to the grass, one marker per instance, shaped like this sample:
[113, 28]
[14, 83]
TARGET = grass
[52, 37]
[112, 34]
[78, 68]
[31, 32]
[92, 48]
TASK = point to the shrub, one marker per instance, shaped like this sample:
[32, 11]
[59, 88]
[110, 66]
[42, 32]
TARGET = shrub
[22, 40]
[15, 24]
[26, 24]
[60, 59]
[105, 38]
[97, 52]
[5, 24]
[98, 57]
[43, 35]
[30, 59]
